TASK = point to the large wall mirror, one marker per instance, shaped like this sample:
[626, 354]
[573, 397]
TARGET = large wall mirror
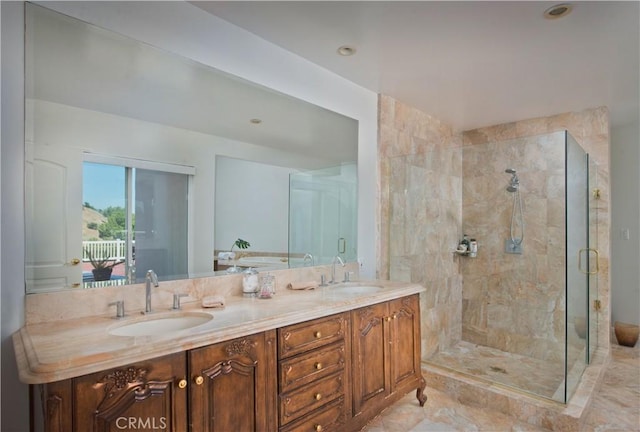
[140, 159]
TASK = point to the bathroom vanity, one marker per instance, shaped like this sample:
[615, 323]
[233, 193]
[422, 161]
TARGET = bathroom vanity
[327, 359]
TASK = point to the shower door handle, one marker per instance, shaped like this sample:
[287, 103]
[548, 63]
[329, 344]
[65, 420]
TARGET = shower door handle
[342, 245]
[597, 254]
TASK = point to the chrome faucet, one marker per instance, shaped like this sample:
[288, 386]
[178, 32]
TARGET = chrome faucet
[151, 278]
[333, 268]
[308, 257]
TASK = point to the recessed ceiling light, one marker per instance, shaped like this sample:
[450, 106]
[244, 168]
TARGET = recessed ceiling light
[558, 11]
[255, 121]
[346, 50]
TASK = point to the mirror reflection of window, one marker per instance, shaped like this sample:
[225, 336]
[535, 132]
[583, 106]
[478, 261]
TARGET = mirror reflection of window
[133, 218]
[105, 222]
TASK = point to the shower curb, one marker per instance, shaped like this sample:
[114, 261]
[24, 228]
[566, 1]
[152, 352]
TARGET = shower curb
[534, 410]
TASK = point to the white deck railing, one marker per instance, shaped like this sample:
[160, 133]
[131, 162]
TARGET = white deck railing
[101, 249]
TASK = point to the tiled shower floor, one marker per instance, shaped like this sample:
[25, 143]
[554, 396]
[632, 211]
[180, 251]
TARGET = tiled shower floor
[525, 373]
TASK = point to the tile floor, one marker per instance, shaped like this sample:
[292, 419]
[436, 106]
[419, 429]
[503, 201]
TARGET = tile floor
[537, 376]
[616, 407]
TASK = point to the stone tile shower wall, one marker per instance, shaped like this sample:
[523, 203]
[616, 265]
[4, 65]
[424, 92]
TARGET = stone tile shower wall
[512, 311]
[420, 163]
[515, 302]
[420, 220]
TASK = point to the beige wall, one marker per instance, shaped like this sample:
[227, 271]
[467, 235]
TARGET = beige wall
[421, 210]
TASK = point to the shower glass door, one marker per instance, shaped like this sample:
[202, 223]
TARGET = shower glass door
[593, 305]
[577, 264]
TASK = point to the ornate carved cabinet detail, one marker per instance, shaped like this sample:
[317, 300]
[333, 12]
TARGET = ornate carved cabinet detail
[223, 387]
[144, 396]
[386, 356]
[233, 385]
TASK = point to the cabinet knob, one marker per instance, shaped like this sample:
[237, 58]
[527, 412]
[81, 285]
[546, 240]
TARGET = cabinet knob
[388, 319]
[395, 316]
[198, 380]
[317, 428]
[182, 383]
[317, 396]
[317, 335]
[318, 365]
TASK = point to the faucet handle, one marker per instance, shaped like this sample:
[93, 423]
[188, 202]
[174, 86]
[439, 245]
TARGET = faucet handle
[323, 280]
[347, 276]
[119, 308]
[176, 300]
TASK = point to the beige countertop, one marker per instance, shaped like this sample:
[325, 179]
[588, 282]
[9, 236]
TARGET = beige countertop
[58, 350]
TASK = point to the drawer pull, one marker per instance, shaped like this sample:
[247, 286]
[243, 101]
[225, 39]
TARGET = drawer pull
[317, 428]
[317, 335]
[317, 396]
[182, 383]
[198, 380]
[318, 365]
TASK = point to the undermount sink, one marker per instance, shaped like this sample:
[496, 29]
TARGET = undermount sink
[357, 289]
[156, 325]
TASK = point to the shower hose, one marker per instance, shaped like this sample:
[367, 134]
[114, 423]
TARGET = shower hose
[516, 210]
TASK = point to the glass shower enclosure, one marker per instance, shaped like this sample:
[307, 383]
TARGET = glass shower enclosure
[526, 318]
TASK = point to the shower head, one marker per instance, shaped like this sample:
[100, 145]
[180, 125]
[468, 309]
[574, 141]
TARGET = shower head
[514, 183]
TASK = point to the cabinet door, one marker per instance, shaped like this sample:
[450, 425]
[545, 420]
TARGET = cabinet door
[233, 385]
[143, 396]
[370, 364]
[405, 340]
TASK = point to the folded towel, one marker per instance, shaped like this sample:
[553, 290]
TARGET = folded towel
[226, 255]
[214, 301]
[309, 285]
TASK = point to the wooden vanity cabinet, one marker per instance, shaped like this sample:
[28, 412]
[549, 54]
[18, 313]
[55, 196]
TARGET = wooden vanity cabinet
[149, 395]
[334, 373]
[223, 387]
[386, 356]
[233, 385]
[314, 375]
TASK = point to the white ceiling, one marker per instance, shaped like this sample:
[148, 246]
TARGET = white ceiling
[471, 64]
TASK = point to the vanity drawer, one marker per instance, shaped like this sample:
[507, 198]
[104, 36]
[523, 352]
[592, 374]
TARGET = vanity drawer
[329, 418]
[308, 398]
[302, 337]
[301, 370]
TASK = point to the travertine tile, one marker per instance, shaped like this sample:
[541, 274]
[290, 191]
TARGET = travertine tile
[615, 406]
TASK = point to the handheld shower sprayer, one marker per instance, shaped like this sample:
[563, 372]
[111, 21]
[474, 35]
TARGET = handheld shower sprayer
[514, 244]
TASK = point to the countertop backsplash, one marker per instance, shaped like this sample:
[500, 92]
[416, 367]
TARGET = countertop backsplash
[79, 303]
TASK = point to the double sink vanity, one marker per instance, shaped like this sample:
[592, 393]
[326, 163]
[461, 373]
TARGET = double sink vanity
[325, 359]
